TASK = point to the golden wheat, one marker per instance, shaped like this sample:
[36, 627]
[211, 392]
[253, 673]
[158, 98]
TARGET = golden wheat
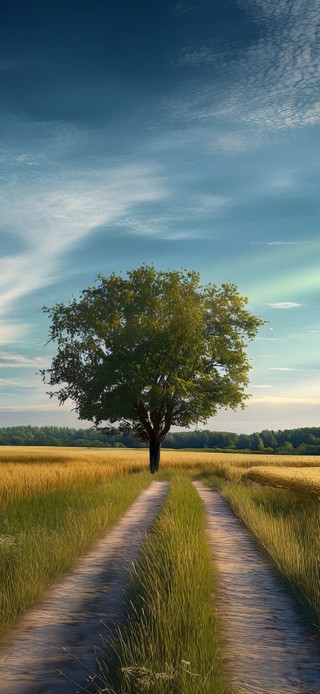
[29, 471]
[304, 480]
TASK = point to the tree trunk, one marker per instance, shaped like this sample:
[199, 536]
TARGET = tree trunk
[154, 452]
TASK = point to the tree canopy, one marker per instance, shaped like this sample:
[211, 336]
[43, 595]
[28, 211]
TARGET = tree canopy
[150, 350]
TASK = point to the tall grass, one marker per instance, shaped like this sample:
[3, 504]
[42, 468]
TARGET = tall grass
[288, 526]
[43, 534]
[170, 642]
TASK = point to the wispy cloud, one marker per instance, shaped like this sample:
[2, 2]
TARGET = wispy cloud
[36, 407]
[16, 361]
[238, 141]
[258, 385]
[286, 400]
[185, 7]
[270, 339]
[286, 62]
[52, 213]
[10, 332]
[282, 368]
[180, 221]
[271, 86]
[215, 204]
[19, 383]
[277, 243]
[284, 304]
[166, 227]
[197, 56]
[281, 182]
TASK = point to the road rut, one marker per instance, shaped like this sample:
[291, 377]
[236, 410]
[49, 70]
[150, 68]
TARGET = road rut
[72, 612]
[270, 647]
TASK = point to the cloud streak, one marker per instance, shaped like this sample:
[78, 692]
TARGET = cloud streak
[286, 400]
[277, 243]
[36, 407]
[18, 361]
[282, 368]
[52, 214]
[281, 305]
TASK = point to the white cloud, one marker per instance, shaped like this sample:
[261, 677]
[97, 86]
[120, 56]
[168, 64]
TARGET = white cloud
[238, 142]
[262, 385]
[52, 214]
[180, 223]
[284, 304]
[277, 243]
[286, 400]
[214, 204]
[11, 332]
[160, 227]
[286, 62]
[282, 368]
[13, 360]
[20, 383]
[285, 243]
[36, 407]
[270, 87]
[270, 339]
[282, 181]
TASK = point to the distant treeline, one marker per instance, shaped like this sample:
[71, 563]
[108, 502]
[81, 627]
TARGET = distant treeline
[297, 441]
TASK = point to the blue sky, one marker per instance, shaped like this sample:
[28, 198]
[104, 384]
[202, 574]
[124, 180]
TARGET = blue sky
[184, 133]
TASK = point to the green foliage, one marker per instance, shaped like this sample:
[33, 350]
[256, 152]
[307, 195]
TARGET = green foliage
[151, 350]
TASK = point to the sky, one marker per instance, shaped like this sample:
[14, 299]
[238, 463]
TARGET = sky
[183, 133]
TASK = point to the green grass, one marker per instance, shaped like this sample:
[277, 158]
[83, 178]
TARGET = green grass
[42, 536]
[288, 526]
[170, 642]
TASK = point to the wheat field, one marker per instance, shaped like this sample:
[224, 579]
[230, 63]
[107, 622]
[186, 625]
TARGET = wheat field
[34, 470]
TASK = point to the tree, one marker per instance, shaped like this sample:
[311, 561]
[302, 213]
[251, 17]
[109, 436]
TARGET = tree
[256, 442]
[151, 350]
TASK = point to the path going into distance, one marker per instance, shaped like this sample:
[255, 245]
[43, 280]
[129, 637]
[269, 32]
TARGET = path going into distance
[270, 648]
[72, 611]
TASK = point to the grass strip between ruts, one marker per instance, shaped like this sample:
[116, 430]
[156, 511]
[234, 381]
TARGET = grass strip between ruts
[170, 641]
